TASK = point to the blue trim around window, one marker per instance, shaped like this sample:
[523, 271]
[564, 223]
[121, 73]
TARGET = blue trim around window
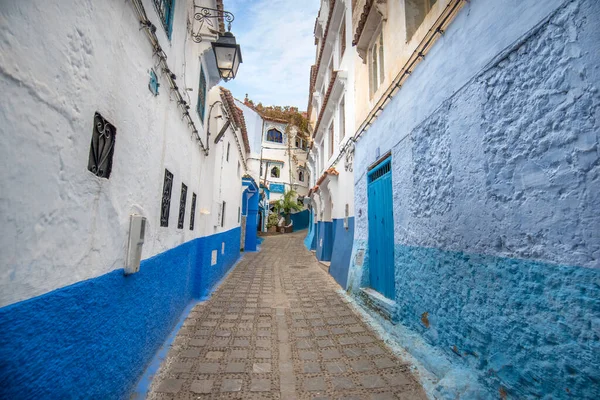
[200, 107]
[165, 10]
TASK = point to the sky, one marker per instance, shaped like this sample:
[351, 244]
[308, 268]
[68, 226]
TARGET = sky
[277, 43]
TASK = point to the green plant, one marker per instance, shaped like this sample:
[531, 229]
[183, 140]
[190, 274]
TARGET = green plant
[272, 220]
[287, 204]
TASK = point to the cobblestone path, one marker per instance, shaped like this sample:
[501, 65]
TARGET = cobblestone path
[277, 329]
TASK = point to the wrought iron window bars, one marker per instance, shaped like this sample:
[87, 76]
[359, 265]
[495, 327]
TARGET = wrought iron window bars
[102, 147]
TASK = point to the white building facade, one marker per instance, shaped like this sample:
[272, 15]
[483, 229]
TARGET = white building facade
[331, 114]
[475, 153]
[113, 113]
[278, 160]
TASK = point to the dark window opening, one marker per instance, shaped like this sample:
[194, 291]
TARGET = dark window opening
[273, 135]
[182, 201]
[102, 147]
[201, 96]
[223, 215]
[275, 172]
[166, 198]
[193, 212]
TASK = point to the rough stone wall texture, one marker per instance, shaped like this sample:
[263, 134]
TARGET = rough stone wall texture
[497, 202]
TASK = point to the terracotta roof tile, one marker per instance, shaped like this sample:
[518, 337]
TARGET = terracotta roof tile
[237, 114]
[331, 171]
[361, 22]
[282, 121]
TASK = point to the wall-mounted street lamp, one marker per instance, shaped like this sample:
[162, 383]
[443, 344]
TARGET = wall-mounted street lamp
[227, 51]
[228, 55]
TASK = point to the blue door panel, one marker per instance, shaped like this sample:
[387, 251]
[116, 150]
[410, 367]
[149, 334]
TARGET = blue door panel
[381, 230]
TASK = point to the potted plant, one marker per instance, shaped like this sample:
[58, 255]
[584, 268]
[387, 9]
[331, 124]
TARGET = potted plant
[272, 223]
[287, 204]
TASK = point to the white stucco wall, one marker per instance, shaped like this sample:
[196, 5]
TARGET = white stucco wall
[339, 188]
[60, 223]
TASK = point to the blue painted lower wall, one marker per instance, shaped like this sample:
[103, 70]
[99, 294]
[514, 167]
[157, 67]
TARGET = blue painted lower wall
[94, 339]
[324, 240]
[341, 250]
[527, 328]
[310, 241]
[300, 220]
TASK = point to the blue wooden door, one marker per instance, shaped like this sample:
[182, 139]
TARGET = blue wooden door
[381, 229]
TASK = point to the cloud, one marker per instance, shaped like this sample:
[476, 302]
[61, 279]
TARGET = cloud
[276, 38]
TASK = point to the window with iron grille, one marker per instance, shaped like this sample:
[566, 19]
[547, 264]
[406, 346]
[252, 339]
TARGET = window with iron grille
[165, 10]
[102, 147]
[182, 201]
[201, 96]
[166, 198]
[193, 212]
[223, 214]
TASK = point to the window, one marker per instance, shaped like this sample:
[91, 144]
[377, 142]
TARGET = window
[331, 139]
[228, 146]
[342, 37]
[376, 67]
[102, 147]
[415, 12]
[301, 176]
[275, 172]
[223, 214]
[182, 201]
[273, 135]
[153, 85]
[165, 9]
[342, 120]
[193, 212]
[165, 205]
[201, 95]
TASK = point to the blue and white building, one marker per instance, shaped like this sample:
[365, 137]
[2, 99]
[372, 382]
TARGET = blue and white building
[476, 178]
[110, 110]
[277, 161]
[331, 113]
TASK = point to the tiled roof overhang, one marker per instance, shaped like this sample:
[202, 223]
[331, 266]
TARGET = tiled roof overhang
[236, 114]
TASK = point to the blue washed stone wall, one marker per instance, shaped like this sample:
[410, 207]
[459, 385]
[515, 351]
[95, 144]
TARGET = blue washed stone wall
[496, 177]
[341, 250]
[310, 241]
[300, 219]
[527, 326]
[207, 275]
[324, 240]
[94, 339]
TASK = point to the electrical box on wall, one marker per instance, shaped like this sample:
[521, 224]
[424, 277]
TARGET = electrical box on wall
[137, 230]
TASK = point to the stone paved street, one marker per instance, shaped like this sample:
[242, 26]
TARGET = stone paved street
[277, 329]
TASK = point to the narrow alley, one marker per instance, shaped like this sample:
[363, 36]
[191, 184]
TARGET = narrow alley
[318, 199]
[277, 327]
